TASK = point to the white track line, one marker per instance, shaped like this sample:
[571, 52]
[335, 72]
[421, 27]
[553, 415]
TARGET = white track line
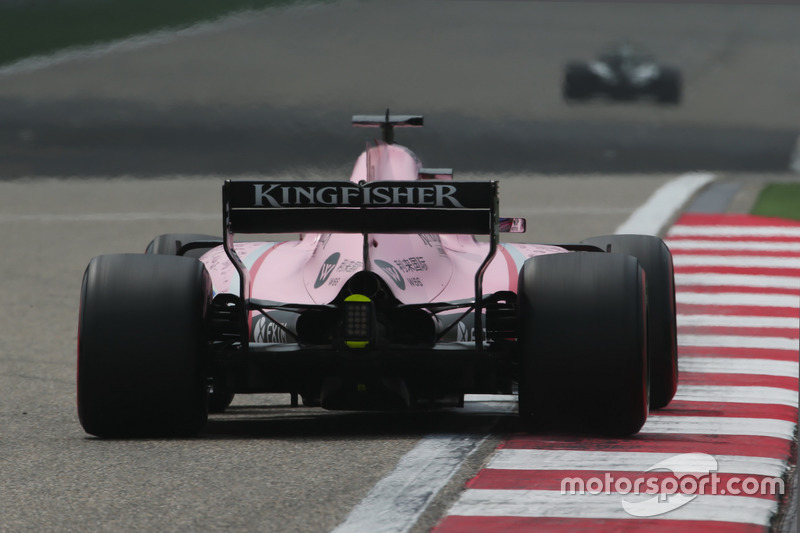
[731, 394]
[693, 245]
[735, 341]
[651, 217]
[741, 280]
[626, 461]
[544, 503]
[735, 321]
[733, 231]
[704, 425]
[724, 365]
[738, 299]
[742, 261]
[396, 502]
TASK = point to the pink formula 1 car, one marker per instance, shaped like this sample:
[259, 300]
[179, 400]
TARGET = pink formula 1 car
[386, 301]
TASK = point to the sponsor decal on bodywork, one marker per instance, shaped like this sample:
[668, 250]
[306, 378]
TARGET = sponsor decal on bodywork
[411, 264]
[265, 330]
[348, 266]
[326, 270]
[393, 273]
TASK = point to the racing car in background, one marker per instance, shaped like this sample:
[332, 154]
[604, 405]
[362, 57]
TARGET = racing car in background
[622, 72]
[386, 301]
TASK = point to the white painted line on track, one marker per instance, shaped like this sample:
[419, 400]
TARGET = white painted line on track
[682, 231]
[733, 394]
[735, 321]
[741, 280]
[651, 217]
[397, 501]
[735, 341]
[546, 503]
[738, 299]
[625, 461]
[694, 245]
[741, 261]
[724, 365]
[704, 425]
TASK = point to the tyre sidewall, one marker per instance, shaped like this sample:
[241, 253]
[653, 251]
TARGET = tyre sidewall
[656, 259]
[583, 352]
[141, 345]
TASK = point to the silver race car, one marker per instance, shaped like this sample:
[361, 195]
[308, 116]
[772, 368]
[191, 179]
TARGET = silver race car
[623, 73]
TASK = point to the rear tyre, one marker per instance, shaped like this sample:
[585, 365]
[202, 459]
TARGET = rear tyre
[141, 346]
[170, 244]
[656, 259]
[583, 343]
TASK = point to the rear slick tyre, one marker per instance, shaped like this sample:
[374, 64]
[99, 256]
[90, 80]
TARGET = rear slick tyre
[583, 343]
[656, 259]
[219, 399]
[141, 346]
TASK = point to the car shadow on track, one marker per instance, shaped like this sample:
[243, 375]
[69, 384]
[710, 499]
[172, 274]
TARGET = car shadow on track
[284, 421]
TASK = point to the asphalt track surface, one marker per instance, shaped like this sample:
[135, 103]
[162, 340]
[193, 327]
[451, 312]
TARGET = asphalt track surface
[274, 91]
[271, 94]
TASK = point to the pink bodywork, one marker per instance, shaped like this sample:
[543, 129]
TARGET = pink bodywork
[418, 268]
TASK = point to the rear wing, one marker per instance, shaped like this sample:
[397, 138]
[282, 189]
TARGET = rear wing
[377, 207]
[387, 123]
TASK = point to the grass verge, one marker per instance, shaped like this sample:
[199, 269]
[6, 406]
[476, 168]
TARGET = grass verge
[779, 200]
[35, 27]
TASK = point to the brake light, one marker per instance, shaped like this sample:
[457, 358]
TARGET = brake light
[359, 321]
